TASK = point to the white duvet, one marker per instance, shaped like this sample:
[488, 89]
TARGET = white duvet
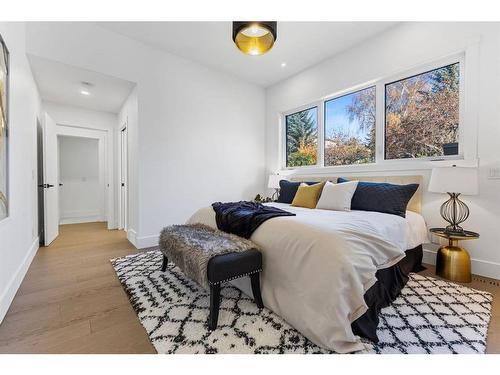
[318, 264]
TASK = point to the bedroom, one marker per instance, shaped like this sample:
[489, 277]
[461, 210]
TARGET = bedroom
[410, 109]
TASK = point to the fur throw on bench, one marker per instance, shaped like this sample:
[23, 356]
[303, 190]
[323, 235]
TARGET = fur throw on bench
[191, 246]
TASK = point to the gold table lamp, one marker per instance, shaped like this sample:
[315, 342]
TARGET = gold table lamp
[452, 261]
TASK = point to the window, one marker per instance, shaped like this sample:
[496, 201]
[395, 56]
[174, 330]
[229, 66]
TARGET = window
[302, 138]
[412, 116]
[421, 114]
[350, 128]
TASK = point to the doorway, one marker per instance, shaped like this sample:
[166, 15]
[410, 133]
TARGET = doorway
[81, 180]
[75, 177]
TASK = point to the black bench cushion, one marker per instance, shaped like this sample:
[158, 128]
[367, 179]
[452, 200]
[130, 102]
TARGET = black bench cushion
[233, 265]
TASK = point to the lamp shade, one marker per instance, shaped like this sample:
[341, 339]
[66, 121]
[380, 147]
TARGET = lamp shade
[254, 37]
[274, 181]
[454, 179]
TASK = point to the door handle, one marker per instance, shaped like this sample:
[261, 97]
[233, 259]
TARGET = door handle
[60, 184]
[49, 185]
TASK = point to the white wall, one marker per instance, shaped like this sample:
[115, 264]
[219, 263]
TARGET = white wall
[18, 232]
[105, 122]
[200, 132]
[402, 48]
[81, 197]
[74, 116]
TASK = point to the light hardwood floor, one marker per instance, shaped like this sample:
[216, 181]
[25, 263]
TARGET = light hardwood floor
[72, 302]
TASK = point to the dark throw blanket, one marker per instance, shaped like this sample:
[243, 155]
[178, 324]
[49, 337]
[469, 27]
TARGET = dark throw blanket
[243, 218]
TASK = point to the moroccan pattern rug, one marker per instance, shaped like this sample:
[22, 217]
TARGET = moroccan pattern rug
[430, 316]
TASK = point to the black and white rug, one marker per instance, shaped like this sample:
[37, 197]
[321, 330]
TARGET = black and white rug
[430, 316]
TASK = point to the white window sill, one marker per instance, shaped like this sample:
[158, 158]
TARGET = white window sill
[385, 166]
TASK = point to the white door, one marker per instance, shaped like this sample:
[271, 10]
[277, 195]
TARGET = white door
[123, 179]
[51, 181]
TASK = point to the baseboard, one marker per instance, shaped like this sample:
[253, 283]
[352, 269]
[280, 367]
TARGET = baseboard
[142, 242]
[479, 267]
[80, 220]
[132, 236]
[113, 226]
[147, 241]
[77, 217]
[10, 291]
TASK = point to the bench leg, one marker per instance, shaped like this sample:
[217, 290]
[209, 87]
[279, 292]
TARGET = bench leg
[255, 280]
[164, 264]
[214, 306]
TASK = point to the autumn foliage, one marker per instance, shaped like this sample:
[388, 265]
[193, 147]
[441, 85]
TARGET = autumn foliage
[421, 118]
[422, 114]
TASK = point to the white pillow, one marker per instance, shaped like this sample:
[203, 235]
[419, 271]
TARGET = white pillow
[337, 197]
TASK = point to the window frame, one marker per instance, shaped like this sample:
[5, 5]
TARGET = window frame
[464, 150]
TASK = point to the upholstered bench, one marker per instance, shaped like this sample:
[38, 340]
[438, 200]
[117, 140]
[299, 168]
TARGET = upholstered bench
[211, 257]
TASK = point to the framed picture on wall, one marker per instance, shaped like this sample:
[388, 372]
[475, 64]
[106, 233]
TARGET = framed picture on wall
[4, 129]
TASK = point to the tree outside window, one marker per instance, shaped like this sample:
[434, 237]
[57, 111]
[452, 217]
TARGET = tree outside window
[302, 138]
[422, 113]
[421, 120]
[350, 128]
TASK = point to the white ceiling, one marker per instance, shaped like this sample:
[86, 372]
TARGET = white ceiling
[62, 83]
[299, 44]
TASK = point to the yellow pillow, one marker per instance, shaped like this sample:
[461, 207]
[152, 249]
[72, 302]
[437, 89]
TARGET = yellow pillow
[308, 195]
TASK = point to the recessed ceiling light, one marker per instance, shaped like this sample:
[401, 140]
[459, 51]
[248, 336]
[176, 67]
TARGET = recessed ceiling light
[85, 88]
[283, 64]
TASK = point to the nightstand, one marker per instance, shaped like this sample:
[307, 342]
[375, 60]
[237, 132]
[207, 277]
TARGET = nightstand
[453, 261]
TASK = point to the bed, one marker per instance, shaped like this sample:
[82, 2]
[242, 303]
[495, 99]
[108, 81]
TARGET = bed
[328, 273]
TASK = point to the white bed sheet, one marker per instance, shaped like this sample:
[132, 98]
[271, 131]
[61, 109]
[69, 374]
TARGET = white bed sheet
[319, 263]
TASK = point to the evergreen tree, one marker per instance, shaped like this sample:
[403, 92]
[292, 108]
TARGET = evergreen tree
[301, 131]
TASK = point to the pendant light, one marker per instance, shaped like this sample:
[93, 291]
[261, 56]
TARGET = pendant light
[254, 37]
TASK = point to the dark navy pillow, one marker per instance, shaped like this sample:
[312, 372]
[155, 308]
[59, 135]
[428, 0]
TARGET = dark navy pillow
[382, 197]
[288, 189]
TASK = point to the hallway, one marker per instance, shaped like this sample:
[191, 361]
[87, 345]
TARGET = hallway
[71, 300]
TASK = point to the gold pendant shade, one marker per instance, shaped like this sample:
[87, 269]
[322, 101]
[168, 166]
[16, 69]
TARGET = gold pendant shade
[254, 37]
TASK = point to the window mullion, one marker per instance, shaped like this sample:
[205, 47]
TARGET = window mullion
[321, 134]
[379, 122]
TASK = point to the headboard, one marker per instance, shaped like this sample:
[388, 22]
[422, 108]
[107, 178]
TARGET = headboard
[415, 203]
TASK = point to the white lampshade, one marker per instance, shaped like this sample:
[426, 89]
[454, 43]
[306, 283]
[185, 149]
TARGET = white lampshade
[454, 179]
[274, 181]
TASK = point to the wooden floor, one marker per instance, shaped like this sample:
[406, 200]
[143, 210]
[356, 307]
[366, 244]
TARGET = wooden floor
[72, 302]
